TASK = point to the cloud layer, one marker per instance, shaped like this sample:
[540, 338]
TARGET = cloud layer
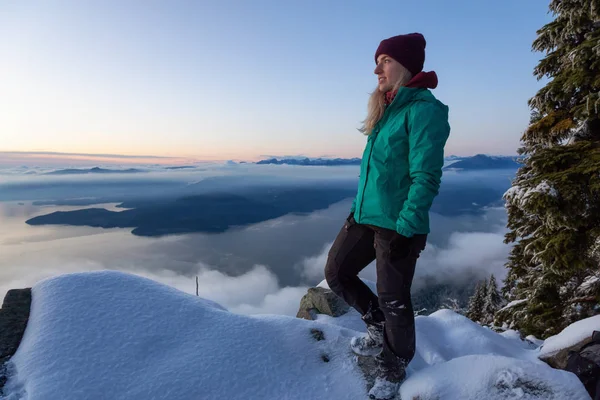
[460, 257]
[251, 275]
[261, 268]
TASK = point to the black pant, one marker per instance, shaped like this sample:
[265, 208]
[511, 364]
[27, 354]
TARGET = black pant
[355, 247]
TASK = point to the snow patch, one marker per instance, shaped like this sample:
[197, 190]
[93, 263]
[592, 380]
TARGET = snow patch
[520, 195]
[513, 303]
[588, 283]
[492, 378]
[535, 341]
[516, 337]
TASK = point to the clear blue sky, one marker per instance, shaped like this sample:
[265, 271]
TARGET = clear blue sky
[241, 79]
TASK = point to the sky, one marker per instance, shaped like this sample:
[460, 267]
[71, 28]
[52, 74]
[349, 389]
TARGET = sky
[242, 80]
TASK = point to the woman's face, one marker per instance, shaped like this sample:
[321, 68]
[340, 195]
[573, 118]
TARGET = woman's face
[388, 71]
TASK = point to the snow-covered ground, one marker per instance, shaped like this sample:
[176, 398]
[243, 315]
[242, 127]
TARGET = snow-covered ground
[112, 335]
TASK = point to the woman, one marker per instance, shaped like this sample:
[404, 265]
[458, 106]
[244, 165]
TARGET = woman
[400, 174]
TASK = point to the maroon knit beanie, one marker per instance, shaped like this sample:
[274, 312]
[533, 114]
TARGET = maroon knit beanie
[408, 50]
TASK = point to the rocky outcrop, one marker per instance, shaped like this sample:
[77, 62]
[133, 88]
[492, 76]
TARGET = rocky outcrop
[559, 359]
[14, 315]
[321, 301]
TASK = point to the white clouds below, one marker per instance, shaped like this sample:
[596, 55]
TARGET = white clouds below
[482, 253]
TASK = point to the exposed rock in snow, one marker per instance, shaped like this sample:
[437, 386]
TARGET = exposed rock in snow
[321, 301]
[555, 349]
[13, 321]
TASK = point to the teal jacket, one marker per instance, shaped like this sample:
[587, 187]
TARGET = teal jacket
[401, 166]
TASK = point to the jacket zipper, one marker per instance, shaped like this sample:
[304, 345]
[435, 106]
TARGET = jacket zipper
[375, 132]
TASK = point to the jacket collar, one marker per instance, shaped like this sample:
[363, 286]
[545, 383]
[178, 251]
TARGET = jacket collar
[427, 80]
[424, 80]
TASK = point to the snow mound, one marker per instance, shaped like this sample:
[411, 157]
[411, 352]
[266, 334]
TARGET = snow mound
[570, 336]
[112, 335]
[445, 335]
[491, 378]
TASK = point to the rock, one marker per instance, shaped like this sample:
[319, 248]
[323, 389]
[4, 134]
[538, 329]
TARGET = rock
[559, 359]
[321, 301]
[306, 313]
[14, 315]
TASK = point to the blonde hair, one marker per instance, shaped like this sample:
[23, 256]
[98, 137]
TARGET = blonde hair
[376, 105]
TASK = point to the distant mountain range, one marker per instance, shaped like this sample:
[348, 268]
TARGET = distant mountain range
[482, 161]
[95, 170]
[477, 162]
[181, 167]
[311, 161]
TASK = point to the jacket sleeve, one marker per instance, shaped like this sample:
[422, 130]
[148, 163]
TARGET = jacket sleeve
[428, 130]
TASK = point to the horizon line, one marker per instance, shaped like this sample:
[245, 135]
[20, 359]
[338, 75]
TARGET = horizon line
[199, 159]
[58, 153]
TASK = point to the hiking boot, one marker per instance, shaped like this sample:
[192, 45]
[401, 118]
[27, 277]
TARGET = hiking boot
[384, 389]
[370, 344]
[387, 382]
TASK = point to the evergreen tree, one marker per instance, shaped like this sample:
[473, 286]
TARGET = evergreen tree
[492, 303]
[554, 204]
[454, 305]
[476, 302]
